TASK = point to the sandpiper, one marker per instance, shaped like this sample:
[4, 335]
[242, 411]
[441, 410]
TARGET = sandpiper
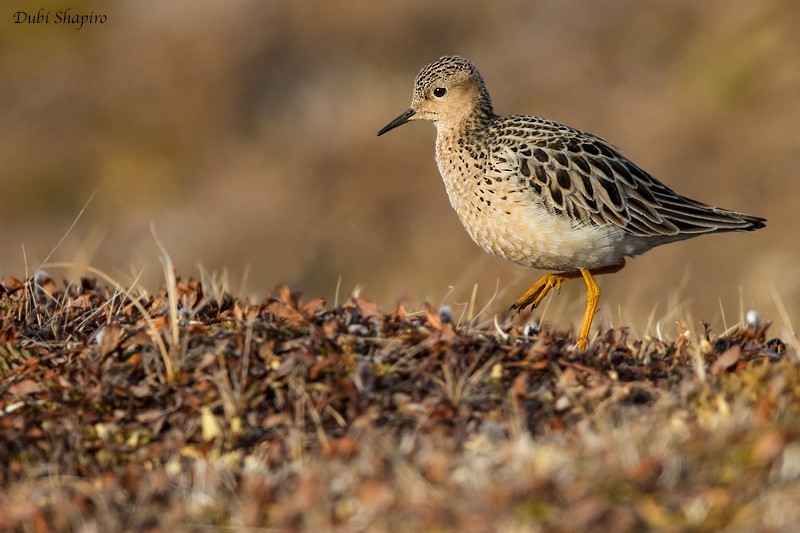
[545, 195]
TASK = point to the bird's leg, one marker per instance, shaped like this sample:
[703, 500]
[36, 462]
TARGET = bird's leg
[539, 290]
[592, 297]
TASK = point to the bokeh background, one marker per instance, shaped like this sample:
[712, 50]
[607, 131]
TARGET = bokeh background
[244, 131]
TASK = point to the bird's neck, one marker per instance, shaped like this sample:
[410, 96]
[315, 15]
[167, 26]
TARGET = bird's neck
[459, 120]
[481, 114]
[470, 127]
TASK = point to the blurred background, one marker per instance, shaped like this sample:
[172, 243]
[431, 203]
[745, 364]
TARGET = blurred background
[244, 131]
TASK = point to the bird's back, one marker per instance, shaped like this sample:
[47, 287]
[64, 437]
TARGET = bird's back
[539, 179]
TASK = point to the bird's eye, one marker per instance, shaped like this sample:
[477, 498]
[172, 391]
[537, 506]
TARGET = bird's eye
[439, 92]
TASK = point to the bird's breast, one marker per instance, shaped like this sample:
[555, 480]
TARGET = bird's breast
[505, 217]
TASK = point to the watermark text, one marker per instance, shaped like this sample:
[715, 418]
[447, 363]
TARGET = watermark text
[65, 16]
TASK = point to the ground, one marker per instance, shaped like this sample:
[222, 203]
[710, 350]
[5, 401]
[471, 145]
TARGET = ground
[192, 408]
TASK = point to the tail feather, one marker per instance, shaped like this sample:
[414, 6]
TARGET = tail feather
[740, 222]
[694, 217]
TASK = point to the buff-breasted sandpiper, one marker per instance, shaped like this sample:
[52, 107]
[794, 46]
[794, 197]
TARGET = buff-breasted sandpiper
[545, 195]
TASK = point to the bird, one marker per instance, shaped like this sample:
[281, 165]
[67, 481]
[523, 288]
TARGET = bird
[545, 195]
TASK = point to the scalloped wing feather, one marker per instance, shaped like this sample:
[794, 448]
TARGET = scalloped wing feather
[587, 179]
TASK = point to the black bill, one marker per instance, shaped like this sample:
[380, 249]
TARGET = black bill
[399, 121]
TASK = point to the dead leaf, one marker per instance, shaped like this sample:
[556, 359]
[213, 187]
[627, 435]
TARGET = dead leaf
[25, 387]
[344, 446]
[274, 420]
[727, 360]
[768, 446]
[314, 307]
[160, 323]
[282, 311]
[375, 496]
[519, 386]
[319, 366]
[448, 333]
[367, 308]
[141, 390]
[108, 339]
[432, 316]
[569, 378]
[140, 337]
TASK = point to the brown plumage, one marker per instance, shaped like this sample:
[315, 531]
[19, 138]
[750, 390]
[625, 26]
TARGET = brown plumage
[545, 195]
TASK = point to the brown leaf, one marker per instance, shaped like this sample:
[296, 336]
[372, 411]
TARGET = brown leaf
[375, 495]
[274, 420]
[160, 323]
[284, 292]
[569, 378]
[292, 299]
[140, 338]
[519, 387]
[344, 447]
[540, 364]
[555, 424]
[283, 311]
[314, 307]
[448, 333]
[183, 288]
[135, 359]
[319, 366]
[646, 470]
[367, 308]
[108, 339]
[728, 359]
[768, 446]
[432, 316]
[141, 390]
[25, 387]
[8, 335]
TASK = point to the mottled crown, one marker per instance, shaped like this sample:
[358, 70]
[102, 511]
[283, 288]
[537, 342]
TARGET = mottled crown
[446, 68]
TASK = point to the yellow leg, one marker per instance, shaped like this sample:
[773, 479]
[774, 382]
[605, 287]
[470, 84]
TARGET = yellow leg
[592, 297]
[539, 290]
[536, 294]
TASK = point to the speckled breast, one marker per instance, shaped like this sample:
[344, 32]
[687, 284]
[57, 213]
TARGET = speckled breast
[506, 219]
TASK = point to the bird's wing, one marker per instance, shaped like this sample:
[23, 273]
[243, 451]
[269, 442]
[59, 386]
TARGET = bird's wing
[586, 179]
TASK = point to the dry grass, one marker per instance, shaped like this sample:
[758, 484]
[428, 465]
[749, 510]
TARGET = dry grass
[193, 408]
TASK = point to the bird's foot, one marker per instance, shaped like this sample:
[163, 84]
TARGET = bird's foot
[538, 291]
